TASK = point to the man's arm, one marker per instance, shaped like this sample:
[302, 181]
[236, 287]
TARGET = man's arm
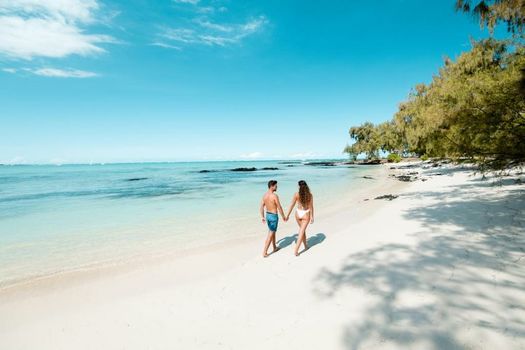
[278, 202]
[261, 210]
[292, 205]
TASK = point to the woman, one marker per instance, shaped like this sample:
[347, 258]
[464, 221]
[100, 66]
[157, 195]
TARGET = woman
[304, 214]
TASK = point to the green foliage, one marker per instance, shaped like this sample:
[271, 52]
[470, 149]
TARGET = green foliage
[474, 107]
[366, 140]
[424, 157]
[351, 154]
[393, 158]
[370, 139]
[490, 12]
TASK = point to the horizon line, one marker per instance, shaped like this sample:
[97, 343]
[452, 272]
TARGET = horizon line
[172, 161]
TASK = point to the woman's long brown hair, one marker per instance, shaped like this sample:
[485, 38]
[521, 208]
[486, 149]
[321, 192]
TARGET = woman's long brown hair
[304, 194]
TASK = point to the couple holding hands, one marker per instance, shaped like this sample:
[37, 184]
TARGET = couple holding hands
[304, 214]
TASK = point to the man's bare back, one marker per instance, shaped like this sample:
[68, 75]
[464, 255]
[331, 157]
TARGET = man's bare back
[270, 201]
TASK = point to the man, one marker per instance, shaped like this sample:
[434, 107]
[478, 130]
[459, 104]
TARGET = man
[270, 202]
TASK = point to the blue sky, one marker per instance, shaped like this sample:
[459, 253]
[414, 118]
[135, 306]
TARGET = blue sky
[100, 81]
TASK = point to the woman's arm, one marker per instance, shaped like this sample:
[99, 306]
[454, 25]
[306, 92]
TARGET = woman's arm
[294, 200]
[312, 210]
[280, 208]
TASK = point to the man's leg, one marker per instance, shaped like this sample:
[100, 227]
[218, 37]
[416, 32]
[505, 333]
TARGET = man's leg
[275, 248]
[267, 243]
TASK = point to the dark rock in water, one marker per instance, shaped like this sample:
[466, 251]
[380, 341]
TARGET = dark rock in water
[320, 163]
[270, 168]
[424, 180]
[387, 197]
[290, 165]
[208, 171]
[348, 163]
[368, 177]
[291, 162]
[244, 169]
[137, 179]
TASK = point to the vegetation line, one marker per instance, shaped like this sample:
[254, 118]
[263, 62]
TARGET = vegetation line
[473, 108]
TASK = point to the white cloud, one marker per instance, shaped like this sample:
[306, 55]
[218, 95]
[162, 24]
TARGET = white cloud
[214, 26]
[52, 72]
[62, 73]
[306, 155]
[14, 160]
[77, 10]
[166, 46]
[253, 155]
[186, 36]
[216, 40]
[205, 9]
[205, 28]
[48, 28]
[206, 32]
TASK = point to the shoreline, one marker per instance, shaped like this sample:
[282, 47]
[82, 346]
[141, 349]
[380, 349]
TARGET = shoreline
[381, 182]
[441, 266]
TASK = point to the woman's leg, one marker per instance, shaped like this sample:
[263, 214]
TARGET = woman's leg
[302, 233]
[307, 222]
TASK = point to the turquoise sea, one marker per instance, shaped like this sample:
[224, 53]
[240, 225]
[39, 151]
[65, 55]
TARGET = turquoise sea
[61, 218]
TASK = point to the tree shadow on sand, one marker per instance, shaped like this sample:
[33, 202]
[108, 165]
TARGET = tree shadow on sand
[444, 291]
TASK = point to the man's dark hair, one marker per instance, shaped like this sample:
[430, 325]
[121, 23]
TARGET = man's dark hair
[272, 183]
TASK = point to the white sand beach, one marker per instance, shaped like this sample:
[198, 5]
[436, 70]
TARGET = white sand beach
[440, 267]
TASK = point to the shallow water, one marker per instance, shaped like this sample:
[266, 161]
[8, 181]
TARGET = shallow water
[58, 218]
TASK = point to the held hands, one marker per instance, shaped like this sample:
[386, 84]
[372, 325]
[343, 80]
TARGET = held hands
[285, 218]
[263, 220]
